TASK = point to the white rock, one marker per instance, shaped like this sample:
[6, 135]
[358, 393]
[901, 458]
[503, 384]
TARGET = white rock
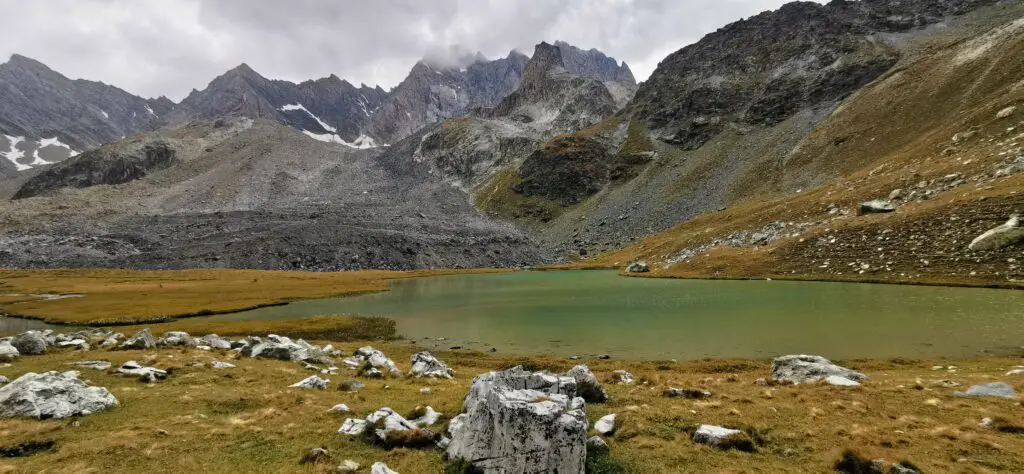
[216, 364]
[216, 342]
[78, 344]
[1006, 112]
[605, 425]
[141, 340]
[429, 418]
[381, 468]
[52, 395]
[145, 374]
[348, 465]
[517, 421]
[718, 436]
[8, 353]
[374, 359]
[994, 389]
[353, 427]
[841, 381]
[424, 364]
[426, 391]
[622, 377]
[587, 385]
[339, 408]
[998, 237]
[4, 380]
[1015, 372]
[312, 381]
[638, 267]
[809, 369]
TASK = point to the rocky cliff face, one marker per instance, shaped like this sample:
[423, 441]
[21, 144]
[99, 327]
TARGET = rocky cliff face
[593, 63]
[432, 94]
[46, 117]
[328, 109]
[762, 70]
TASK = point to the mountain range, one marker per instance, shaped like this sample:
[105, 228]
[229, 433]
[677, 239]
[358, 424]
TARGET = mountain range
[765, 133]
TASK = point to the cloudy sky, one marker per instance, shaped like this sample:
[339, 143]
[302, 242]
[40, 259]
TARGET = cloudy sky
[169, 47]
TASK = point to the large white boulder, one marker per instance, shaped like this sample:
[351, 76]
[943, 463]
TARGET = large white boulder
[517, 421]
[8, 353]
[374, 362]
[424, 364]
[810, 369]
[52, 395]
[998, 237]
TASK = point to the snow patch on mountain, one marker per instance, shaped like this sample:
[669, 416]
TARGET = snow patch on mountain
[55, 141]
[37, 160]
[14, 154]
[362, 142]
[150, 110]
[105, 114]
[291, 107]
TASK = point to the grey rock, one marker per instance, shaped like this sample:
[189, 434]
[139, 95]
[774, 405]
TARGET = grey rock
[517, 421]
[999, 237]
[994, 389]
[622, 377]
[30, 343]
[810, 369]
[339, 408]
[280, 348]
[638, 267]
[52, 395]
[691, 393]
[177, 339]
[596, 446]
[216, 342]
[428, 417]
[587, 385]
[351, 385]
[4, 380]
[392, 429]
[723, 438]
[424, 364]
[312, 381]
[8, 353]
[141, 340]
[876, 206]
[374, 359]
[78, 344]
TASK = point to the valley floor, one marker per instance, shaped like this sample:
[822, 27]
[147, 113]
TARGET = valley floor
[246, 419]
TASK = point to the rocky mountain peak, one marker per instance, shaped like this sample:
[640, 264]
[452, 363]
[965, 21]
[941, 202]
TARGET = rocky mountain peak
[594, 63]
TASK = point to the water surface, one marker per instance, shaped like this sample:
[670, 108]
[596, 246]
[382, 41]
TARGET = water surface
[595, 312]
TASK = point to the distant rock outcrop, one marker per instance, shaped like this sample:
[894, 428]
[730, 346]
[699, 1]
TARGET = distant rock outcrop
[110, 165]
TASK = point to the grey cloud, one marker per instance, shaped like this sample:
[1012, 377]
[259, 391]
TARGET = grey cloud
[168, 47]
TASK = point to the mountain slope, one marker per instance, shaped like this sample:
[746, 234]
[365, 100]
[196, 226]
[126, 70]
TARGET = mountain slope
[47, 117]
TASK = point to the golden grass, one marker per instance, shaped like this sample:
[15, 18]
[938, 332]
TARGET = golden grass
[130, 296]
[245, 419]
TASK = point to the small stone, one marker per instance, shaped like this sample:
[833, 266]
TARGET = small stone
[1015, 372]
[8, 353]
[1006, 112]
[605, 425]
[312, 381]
[622, 377]
[604, 357]
[353, 427]
[316, 456]
[381, 468]
[216, 364]
[985, 422]
[638, 267]
[723, 438]
[339, 408]
[347, 466]
[426, 391]
[691, 393]
[596, 446]
[876, 206]
[841, 381]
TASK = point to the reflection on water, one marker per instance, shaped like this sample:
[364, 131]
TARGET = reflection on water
[17, 325]
[588, 312]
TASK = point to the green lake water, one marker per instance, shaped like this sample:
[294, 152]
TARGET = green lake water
[598, 312]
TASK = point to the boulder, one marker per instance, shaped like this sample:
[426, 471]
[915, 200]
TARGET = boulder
[177, 339]
[112, 340]
[392, 430]
[622, 377]
[596, 446]
[605, 425]
[723, 438]
[876, 206]
[638, 267]
[4, 380]
[999, 237]
[141, 340]
[276, 347]
[353, 427]
[312, 381]
[691, 393]
[424, 364]
[381, 468]
[587, 385]
[145, 374]
[425, 416]
[8, 353]
[994, 389]
[518, 421]
[77, 344]
[373, 359]
[30, 343]
[92, 364]
[810, 369]
[52, 395]
[215, 342]
[216, 364]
